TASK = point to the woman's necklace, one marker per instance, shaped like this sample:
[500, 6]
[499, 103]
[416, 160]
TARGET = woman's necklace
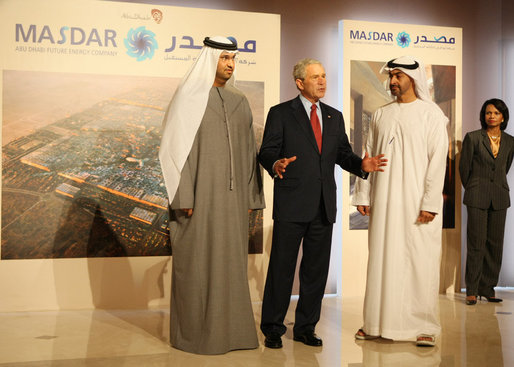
[494, 137]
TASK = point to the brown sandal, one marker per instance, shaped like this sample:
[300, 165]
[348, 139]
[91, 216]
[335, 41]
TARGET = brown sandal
[425, 340]
[361, 335]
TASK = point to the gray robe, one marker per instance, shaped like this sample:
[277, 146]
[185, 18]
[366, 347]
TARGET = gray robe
[211, 310]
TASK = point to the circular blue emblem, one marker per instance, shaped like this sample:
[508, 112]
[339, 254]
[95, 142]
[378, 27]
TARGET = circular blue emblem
[140, 43]
[403, 39]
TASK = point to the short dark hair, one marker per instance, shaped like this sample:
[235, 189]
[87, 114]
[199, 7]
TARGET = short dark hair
[500, 106]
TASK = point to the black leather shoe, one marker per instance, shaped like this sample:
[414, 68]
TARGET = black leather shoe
[492, 299]
[273, 340]
[309, 338]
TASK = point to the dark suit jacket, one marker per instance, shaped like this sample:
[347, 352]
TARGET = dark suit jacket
[484, 177]
[288, 133]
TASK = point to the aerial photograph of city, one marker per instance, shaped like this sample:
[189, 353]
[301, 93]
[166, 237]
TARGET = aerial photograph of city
[80, 169]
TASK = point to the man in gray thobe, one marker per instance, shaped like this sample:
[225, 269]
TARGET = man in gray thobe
[208, 158]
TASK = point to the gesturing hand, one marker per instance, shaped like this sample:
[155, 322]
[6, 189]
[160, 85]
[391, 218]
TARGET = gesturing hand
[281, 164]
[372, 164]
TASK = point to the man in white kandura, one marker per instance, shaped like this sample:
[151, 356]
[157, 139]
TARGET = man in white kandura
[405, 208]
[209, 162]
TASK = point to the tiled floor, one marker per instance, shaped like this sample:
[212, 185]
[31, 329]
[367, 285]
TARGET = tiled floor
[480, 335]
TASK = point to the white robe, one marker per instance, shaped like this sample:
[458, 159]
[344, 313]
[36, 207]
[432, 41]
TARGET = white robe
[402, 287]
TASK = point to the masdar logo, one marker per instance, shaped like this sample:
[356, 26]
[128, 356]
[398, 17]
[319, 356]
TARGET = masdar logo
[403, 39]
[140, 43]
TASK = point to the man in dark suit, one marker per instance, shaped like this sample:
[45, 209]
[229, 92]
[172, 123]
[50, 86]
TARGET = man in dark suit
[306, 137]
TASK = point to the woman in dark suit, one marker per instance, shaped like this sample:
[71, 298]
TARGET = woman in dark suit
[485, 160]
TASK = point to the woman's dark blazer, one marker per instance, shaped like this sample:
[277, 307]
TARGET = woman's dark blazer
[484, 177]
